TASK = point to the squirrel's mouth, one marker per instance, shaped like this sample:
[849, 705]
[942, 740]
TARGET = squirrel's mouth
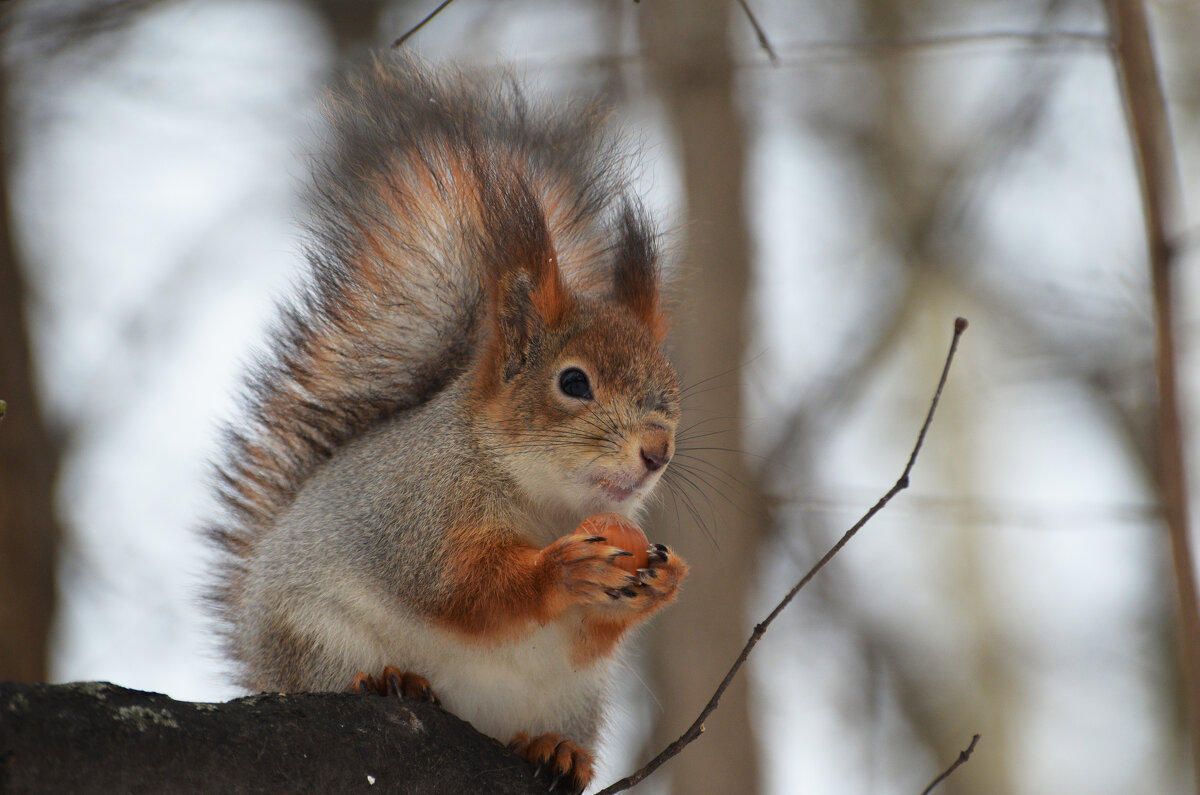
[620, 488]
[615, 491]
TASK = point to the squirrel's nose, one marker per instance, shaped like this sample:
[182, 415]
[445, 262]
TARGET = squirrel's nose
[656, 457]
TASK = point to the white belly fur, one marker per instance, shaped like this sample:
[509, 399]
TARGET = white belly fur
[527, 685]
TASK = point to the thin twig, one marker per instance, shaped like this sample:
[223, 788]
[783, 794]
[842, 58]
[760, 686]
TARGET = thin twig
[1053, 40]
[697, 727]
[763, 41]
[963, 756]
[412, 31]
[1162, 204]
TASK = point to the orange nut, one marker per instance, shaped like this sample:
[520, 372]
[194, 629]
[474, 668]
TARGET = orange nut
[622, 534]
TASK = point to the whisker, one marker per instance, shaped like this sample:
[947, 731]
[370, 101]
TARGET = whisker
[703, 466]
[690, 389]
[680, 495]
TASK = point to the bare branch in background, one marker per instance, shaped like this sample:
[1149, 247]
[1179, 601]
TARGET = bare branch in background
[1146, 113]
[697, 727]
[763, 41]
[57, 27]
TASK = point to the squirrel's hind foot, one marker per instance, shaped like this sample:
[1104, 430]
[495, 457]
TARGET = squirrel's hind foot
[565, 765]
[394, 682]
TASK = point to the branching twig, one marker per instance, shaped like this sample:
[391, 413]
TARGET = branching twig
[697, 727]
[963, 756]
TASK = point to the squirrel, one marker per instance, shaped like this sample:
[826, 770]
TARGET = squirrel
[474, 366]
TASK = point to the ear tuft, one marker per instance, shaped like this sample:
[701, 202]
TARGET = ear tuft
[526, 288]
[636, 272]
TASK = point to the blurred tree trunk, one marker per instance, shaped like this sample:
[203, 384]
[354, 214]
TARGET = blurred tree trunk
[354, 25]
[686, 42]
[28, 531]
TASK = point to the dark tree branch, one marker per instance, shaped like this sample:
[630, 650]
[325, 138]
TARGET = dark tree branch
[94, 737]
[963, 756]
[763, 41]
[697, 727]
[413, 30]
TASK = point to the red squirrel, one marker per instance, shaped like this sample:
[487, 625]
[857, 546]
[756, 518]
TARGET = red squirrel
[473, 368]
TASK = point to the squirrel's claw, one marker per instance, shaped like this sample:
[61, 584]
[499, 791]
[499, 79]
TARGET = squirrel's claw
[362, 683]
[588, 570]
[396, 683]
[616, 553]
[659, 580]
[567, 765]
[628, 590]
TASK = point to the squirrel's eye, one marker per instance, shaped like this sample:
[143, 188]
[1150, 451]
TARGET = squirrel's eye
[573, 382]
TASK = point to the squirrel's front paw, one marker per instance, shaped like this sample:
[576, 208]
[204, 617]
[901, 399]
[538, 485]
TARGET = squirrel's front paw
[587, 569]
[652, 572]
[662, 575]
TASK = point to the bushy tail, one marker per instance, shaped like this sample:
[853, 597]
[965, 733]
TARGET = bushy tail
[394, 306]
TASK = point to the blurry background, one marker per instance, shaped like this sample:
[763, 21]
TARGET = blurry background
[900, 163]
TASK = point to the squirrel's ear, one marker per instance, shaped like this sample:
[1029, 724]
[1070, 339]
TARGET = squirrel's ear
[635, 272]
[527, 291]
[518, 323]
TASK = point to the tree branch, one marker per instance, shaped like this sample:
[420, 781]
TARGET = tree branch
[963, 756]
[697, 727]
[1150, 130]
[413, 30]
[763, 41]
[93, 737]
